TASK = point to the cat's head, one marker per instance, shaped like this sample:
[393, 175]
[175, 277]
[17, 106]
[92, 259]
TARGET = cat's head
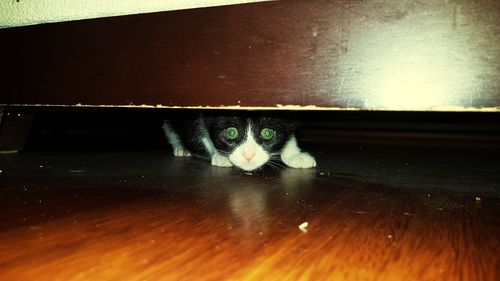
[250, 142]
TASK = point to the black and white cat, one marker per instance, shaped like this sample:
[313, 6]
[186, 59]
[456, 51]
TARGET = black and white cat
[247, 142]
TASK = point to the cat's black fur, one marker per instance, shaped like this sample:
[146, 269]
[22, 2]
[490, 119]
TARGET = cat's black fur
[191, 130]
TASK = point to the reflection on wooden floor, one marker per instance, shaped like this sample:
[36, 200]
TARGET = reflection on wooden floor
[148, 216]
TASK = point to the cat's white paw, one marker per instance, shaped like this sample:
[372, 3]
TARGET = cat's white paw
[301, 160]
[221, 161]
[181, 152]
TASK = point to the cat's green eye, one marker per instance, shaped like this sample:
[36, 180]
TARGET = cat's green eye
[231, 133]
[267, 133]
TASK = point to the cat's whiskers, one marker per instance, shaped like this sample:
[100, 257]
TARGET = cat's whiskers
[272, 166]
[275, 165]
[279, 164]
[221, 152]
[275, 158]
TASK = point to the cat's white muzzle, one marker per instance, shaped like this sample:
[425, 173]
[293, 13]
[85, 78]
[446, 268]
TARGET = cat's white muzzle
[249, 155]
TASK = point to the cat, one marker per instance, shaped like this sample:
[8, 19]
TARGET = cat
[246, 141]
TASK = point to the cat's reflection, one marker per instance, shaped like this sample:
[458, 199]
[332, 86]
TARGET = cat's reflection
[248, 210]
[247, 199]
[256, 196]
[295, 180]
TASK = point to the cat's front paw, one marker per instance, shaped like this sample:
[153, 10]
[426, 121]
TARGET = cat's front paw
[301, 160]
[181, 152]
[221, 161]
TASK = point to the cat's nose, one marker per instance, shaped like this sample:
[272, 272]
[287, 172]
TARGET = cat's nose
[248, 155]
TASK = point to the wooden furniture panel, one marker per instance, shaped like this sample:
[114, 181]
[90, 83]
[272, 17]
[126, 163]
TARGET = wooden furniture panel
[374, 55]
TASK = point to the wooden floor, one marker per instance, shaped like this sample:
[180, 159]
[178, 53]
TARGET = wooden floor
[373, 213]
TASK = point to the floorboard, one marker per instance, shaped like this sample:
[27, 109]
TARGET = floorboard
[373, 213]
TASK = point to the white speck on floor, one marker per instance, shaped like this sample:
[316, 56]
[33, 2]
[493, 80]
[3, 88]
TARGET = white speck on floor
[303, 226]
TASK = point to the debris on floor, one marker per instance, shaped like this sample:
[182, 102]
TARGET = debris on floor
[303, 226]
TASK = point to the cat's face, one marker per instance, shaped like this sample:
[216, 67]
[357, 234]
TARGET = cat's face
[249, 143]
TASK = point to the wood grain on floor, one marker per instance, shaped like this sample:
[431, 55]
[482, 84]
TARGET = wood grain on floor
[148, 216]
